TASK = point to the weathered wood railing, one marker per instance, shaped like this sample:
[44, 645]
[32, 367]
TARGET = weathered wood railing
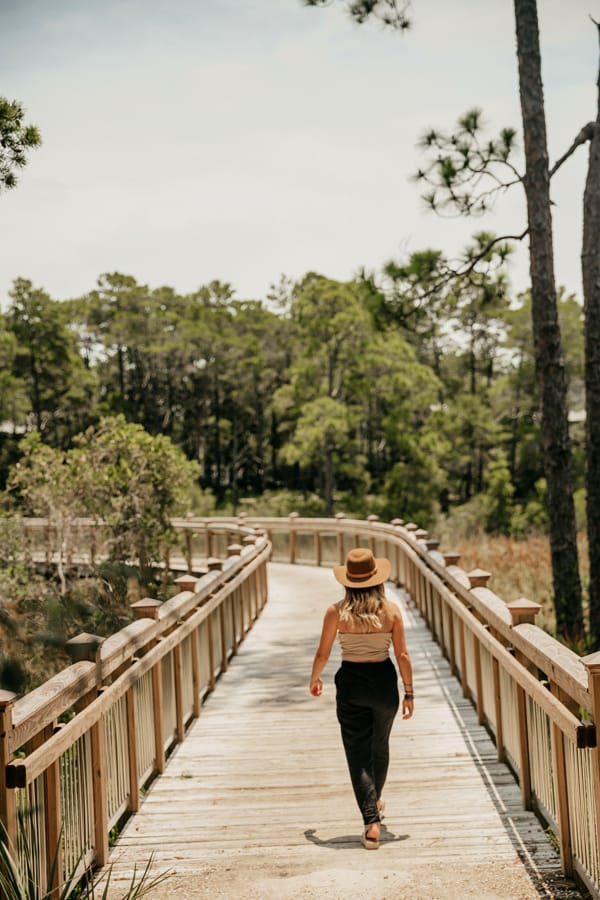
[128, 701]
[539, 700]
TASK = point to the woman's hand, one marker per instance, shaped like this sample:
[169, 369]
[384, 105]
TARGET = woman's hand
[408, 708]
[316, 687]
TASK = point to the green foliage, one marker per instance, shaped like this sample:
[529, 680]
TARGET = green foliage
[498, 500]
[282, 503]
[464, 169]
[19, 879]
[116, 472]
[399, 388]
[133, 482]
[16, 139]
[531, 517]
[53, 386]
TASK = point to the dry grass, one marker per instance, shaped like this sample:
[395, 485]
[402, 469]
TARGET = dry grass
[519, 568]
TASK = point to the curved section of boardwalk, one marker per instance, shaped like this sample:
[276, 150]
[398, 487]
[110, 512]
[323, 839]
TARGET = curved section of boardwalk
[256, 803]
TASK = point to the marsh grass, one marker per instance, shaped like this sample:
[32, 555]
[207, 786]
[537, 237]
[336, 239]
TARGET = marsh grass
[19, 874]
[519, 568]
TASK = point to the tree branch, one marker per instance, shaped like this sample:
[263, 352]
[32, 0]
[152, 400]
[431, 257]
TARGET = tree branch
[586, 134]
[469, 265]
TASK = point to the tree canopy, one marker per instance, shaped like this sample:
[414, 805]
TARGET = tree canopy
[16, 140]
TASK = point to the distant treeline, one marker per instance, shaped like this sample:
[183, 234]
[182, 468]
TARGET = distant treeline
[402, 395]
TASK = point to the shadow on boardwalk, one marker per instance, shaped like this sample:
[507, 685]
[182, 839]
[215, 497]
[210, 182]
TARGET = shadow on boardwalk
[257, 797]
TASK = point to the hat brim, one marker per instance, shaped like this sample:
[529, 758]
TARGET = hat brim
[383, 567]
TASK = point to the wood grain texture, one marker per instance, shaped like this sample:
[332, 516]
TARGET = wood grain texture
[257, 802]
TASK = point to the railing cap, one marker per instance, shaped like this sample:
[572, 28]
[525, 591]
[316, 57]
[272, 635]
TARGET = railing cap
[186, 582]
[478, 577]
[84, 646]
[146, 608]
[372, 518]
[432, 543]
[451, 557]
[592, 662]
[294, 515]
[340, 515]
[411, 526]
[397, 522]
[214, 564]
[234, 550]
[7, 698]
[523, 610]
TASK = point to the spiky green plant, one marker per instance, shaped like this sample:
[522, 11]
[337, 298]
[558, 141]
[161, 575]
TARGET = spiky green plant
[19, 878]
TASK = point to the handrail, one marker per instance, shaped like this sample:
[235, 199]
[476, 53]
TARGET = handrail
[538, 699]
[130, 700]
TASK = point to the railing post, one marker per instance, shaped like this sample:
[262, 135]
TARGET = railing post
[451, 558]
[478, 578]
[292, 520]
[216, 565]
[178, 678]
[189, 554]
[88, 646]
[562, 799]
[397, 523]
[236, 550]
[372, 547]
[8, 801]
[523, 611]
[132, 756]
[498, 710]
[340, 539]
[211, 652]
[149, 608]
[186, 582]
[98, 748]
[592, 664]
[464, 677]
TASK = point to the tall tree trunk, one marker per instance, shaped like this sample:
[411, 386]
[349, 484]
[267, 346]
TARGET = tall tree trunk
[546, 331]
[121, 372]
[259, 478]
[35, 387]
[234, 465]
[328, 478]
[590, 265]
[218, 487]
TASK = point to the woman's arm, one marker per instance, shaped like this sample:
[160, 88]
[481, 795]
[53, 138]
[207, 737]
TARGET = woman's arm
[328, 633]
[404, 664]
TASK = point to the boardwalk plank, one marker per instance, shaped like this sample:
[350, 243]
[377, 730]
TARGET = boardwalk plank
[256, 803]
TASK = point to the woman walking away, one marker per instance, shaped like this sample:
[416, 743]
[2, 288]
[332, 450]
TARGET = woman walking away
[367, 682]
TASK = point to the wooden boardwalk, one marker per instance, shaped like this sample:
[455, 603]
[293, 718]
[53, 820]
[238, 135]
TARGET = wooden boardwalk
[257, 803]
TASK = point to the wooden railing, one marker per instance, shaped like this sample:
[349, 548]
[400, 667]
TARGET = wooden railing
[76, 752]
[538, 699]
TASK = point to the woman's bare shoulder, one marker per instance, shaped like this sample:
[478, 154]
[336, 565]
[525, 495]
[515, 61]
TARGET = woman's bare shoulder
[392, 611]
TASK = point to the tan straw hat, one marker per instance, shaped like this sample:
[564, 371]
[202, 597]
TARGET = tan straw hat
[362, 569]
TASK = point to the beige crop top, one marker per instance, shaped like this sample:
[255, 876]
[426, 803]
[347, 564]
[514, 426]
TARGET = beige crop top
[360, 647]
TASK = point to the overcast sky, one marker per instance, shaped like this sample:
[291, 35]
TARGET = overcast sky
[188, 140]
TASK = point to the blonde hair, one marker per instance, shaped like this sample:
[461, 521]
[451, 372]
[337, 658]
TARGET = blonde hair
[363, 607]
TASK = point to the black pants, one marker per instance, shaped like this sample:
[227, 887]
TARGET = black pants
[367, 703]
